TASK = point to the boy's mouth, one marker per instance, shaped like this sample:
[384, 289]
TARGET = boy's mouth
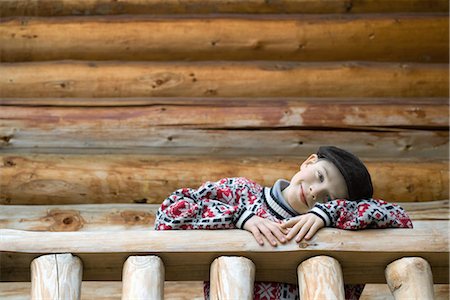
[302, 196]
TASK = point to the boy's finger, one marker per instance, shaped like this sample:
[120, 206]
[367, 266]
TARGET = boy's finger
[288, 223]
[258, 236]
[312, 231]
[302, 232]
[294, 230]
[283, 230]
[279, 234]
[269, 236]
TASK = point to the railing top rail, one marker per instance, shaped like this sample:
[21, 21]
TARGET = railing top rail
[427, 236]
[187, 255]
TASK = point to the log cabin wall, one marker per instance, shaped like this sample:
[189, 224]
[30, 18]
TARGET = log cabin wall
[115, 104]
[125, 101]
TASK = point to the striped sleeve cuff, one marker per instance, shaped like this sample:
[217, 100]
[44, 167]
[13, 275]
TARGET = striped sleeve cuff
[321, 214]
[244, 217]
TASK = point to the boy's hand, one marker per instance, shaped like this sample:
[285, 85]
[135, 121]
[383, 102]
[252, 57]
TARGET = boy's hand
[260, 227]
[307, 224]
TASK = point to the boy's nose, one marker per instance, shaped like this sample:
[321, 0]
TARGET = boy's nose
[316, 193]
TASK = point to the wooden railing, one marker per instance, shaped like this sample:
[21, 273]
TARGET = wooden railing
[363, 257]
[109, 103]
[97, 240]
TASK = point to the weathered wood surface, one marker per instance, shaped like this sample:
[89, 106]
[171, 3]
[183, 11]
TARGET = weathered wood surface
[385, 144]
[187, 255]
[143, 278]
[108, 290]
[320, 277]
[405, 38]
[232, 277]
[77, 179]
[154, 126]
[116, 217]
[107, 7]
[56, 276]
[410, 278]
[427, 104]
[382, 292]
[225, 113]
[222, 79]
[204, 127]
[180, 290]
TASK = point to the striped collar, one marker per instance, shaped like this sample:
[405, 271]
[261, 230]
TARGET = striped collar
[276, 206]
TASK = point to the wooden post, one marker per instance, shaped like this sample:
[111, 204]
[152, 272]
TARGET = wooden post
[143, 278]
[232, 278]
[320, 277]
[410, 278]
[56, 276]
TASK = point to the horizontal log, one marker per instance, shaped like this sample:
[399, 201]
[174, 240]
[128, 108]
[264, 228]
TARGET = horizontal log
[115, 217]
[71, 179]
[363, 255]
[107, 290]
[222, 79]
[181, 290]
[208, 128]
[386, 145]
[382, 292]
[127, 114]
[106, 7]
[383, 38]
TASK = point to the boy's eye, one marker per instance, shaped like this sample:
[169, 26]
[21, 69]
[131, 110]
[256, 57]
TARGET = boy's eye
[321, 178]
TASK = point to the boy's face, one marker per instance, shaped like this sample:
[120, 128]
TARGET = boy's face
[317, 181]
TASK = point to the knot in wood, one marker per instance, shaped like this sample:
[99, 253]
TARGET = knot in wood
[64, 220]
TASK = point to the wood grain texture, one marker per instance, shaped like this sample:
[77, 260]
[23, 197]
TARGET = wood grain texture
[405, 38]
[77, 179]
[143, 278]
[232, 278]
[382, 144]
[222, 79]
[320, 277]
[180, 290]
[56, 276]
[108, 290]
[285, 127]
[382, 292]
[226, 113]
[410, 278]
[187, 255]
[106, 7]
[116, 217]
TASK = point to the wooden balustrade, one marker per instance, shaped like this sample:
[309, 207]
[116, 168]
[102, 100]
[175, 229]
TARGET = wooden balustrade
[232, 278]
[143, 278]
[320, 277]
[59, 277]
[410, 278]
[187, 255]
[56, 276]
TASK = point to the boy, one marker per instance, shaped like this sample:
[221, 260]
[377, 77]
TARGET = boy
[332, 188]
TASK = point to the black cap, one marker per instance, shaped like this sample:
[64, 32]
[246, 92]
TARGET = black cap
[359, 183]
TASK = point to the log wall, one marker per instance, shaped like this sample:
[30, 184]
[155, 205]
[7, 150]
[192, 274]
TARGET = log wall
[110, 103]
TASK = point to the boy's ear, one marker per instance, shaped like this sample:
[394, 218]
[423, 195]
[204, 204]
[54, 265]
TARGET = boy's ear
[313, 158]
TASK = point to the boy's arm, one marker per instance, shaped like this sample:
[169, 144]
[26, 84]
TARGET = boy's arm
[218, 205]
[345, 214]
[367, 213]
[215, 205]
